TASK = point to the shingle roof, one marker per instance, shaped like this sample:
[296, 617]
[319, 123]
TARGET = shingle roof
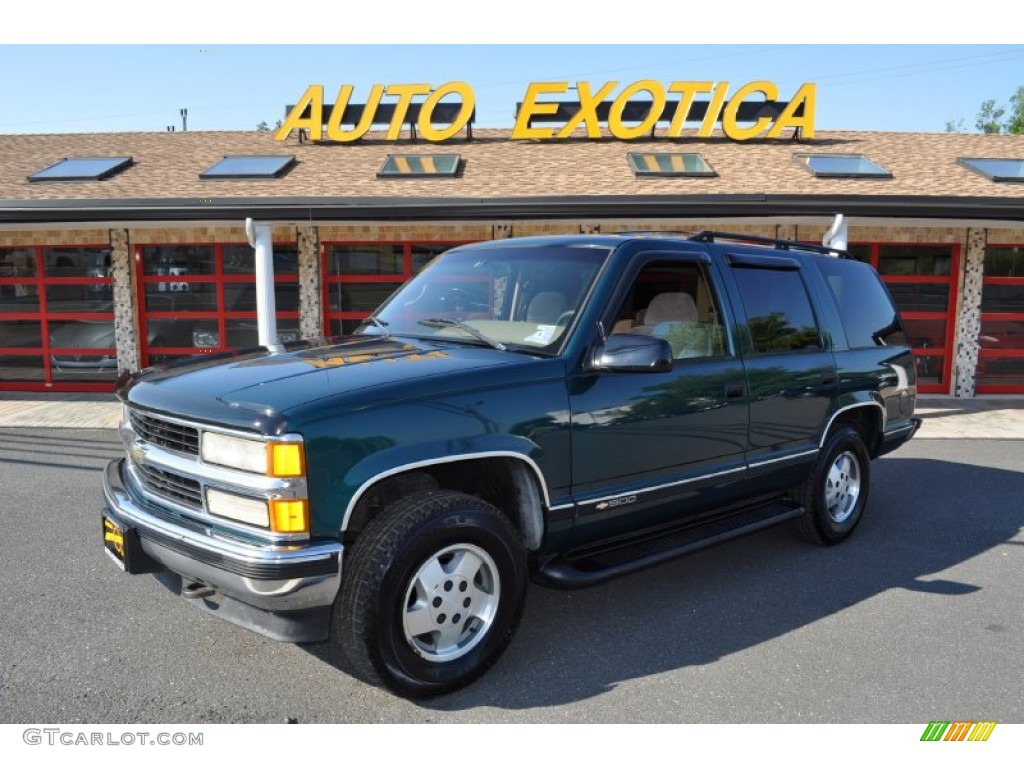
[167, 167]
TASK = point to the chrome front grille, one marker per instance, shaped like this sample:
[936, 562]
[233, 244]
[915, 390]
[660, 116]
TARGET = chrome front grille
[167, 434]
[170, 485]
[163, 465]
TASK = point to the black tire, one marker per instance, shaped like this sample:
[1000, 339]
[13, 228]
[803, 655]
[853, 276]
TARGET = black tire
[421, 564]
[835, 494]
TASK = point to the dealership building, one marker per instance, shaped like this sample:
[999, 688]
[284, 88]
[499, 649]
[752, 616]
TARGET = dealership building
[122, 250]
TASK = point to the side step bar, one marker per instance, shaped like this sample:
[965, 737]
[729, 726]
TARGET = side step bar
[595, 565]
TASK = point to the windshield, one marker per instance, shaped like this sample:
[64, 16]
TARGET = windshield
[504, 297]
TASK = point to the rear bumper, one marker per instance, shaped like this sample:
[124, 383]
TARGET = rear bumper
[282, 592]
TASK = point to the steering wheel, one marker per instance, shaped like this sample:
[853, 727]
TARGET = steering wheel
[459, 300]
[566, 317]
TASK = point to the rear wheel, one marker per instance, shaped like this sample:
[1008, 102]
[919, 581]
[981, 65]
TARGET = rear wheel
[835, 494]
[431, 594]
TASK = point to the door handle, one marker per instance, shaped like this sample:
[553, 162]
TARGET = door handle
[734, 391]
[828, 378]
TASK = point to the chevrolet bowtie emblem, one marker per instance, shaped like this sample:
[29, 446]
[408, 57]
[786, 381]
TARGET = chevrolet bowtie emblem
[137, 453]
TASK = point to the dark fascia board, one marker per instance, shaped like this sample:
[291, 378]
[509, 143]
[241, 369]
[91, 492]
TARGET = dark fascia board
[404, 209]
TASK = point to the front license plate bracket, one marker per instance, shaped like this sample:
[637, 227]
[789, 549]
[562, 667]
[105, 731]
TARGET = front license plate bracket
[123, 545]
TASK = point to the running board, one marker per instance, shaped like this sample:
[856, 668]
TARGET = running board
[595, 565]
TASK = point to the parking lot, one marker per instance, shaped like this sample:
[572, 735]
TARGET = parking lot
[917, 618]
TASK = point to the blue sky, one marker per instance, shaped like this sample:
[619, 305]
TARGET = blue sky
[103, 88]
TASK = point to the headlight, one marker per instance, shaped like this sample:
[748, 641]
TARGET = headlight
[276, 459]
[281, 516]
[235, 452]
[245, 510]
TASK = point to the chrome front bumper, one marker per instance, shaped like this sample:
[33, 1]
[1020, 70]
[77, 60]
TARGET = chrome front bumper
[284, 592]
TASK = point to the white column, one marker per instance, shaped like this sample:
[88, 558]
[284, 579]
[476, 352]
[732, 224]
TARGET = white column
[259, 234]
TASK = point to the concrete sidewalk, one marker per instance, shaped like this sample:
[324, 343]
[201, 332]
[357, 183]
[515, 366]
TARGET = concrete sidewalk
[984, 418]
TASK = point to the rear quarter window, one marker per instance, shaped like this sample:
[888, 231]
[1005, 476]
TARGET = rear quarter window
[868, 315]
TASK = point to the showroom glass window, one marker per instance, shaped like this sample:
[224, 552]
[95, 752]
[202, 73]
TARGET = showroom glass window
[359, 277]
[201, 298]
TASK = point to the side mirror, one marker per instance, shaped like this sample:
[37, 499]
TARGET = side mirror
[630, 353]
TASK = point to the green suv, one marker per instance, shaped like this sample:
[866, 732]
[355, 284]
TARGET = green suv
[560, 409]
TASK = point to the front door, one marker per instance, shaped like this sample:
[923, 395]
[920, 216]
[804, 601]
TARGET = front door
[651, 448]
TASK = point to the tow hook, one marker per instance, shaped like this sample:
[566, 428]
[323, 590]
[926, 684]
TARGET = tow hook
[196, 589]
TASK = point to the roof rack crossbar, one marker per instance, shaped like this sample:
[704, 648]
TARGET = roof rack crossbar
[710, 236]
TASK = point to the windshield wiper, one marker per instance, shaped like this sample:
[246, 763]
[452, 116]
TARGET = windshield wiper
[383, 325]
[446, 322]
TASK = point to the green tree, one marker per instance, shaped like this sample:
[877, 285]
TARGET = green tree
[955, 126]
[1016, 122]
[989, 116]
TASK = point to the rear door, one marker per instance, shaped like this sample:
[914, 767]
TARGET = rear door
[790, 367]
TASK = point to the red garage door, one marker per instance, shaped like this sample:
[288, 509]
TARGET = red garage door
[56, 319]
[923, 281]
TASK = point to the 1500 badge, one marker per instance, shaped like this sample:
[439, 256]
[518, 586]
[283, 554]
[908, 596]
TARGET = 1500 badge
[619, 502]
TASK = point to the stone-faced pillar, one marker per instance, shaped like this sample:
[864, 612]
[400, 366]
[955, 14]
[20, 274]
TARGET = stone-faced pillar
[311, 314]
[126, 316]
[965, 365]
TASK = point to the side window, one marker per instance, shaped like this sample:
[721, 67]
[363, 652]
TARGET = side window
[675, 302]
[868, 315]
[778, 310]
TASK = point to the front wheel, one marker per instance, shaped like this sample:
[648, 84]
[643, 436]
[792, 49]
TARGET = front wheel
[431, 594]
[835, 494]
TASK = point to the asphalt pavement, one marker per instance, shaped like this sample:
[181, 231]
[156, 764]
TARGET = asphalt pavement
[915, 618]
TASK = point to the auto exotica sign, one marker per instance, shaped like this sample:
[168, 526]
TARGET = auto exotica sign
[626, 111]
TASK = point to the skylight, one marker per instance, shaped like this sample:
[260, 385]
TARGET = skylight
[249, 167]
[669, 164]
[842, 166]
[412, 166]
[995, 169]
[82, 169]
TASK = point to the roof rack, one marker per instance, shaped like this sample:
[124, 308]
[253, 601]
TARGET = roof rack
[666, 232]
[710, 236]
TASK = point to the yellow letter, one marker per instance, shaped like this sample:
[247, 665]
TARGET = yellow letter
[588, 110]
[531, 107]
[686, 90]
[806, 96]
[404, 94]
[729, 124]
[620, 131]
[427, 129]
[334, 129]
[314, 99]
[717, 98]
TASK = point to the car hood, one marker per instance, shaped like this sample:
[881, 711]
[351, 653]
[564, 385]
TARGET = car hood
[260, 390]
